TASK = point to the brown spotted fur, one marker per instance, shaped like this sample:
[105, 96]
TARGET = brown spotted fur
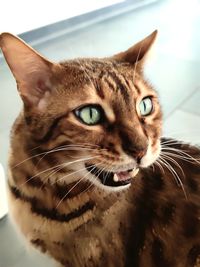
[150, 224]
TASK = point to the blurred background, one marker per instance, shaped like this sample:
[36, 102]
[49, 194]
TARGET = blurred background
[66, 29]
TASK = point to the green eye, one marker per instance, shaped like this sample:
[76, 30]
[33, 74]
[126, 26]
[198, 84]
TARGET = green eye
[146, 106]
[89, 115]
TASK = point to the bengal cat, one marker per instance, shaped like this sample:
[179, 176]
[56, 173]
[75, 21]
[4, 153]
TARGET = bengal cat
[91, 181]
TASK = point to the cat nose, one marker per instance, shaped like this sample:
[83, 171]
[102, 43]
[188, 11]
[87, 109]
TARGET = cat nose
[133, 145]
[137, 154]
[140, 155]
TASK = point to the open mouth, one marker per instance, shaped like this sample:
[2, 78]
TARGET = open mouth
[113, 179]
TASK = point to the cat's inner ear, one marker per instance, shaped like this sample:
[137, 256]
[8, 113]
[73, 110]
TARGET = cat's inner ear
[138, 52]
[32, 72]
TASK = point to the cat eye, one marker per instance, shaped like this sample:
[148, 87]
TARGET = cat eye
[90, 115]
[146, 106]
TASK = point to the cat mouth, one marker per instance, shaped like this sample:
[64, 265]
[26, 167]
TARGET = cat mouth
[113, 179]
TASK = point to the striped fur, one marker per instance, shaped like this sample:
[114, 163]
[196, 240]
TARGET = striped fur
[60, 206]
[150, 224]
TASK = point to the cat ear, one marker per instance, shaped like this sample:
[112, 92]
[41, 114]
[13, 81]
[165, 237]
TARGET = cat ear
[138, 52]
[32, 71]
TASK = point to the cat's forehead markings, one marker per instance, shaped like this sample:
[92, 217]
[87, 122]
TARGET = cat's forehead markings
[137, 88]
[96, 98]
[142, 88]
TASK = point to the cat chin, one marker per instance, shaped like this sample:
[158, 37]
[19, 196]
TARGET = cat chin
[113, 189]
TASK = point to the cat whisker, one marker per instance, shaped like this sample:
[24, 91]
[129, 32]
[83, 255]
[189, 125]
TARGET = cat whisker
[90, 183]
[58, 168]
[84, 145]
[171, 142]
[102, 170]
[96, 177]
[107, 173]
[63, 148]
[54, 173]
[164, 155]
[159, 165]
[153, 167]
[36, 175]
[169, 167]
[178, 156]
[47, 177]
[72, 173]
[174, 173]
[182, 153]
[62, 164]
[58, 204]
[169, 147]
[72, 188]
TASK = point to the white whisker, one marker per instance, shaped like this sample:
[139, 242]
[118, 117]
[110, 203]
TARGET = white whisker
[175, 175]
[49, 169]
[164, 155]
[182, 153]
[57, 149]
[159, 165]
[73, 173]
[72, 189]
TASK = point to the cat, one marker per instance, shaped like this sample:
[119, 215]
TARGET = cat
[91, 182]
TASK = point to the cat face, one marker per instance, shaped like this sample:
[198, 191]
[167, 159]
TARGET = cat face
[100, 112]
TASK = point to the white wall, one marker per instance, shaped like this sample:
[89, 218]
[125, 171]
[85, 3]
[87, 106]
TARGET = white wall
[18, 16]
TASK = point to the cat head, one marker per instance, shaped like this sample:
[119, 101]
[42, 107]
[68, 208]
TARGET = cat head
[100, 112]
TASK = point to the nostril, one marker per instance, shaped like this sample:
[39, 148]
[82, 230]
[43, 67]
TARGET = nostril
[139, 156]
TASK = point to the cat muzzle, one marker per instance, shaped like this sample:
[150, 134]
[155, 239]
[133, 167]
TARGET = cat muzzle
[113, 179]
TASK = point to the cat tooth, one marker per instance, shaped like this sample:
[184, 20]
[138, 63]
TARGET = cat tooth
[115, 178]
[134, 172]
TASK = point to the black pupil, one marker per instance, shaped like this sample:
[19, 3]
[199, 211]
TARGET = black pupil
[90, 113]
[144, 105]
